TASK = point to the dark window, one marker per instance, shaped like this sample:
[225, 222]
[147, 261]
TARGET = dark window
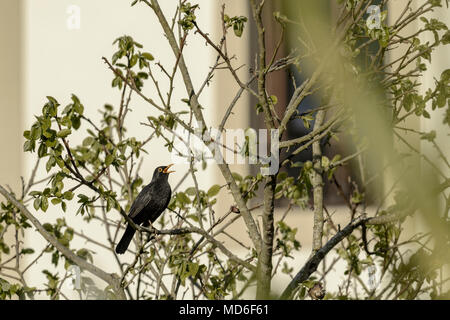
[280, 84]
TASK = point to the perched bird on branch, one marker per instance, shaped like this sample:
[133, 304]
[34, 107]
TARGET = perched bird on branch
[149, 204]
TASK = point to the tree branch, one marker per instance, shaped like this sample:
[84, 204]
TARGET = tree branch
[195, 106]
[317, 184]
[111, 279]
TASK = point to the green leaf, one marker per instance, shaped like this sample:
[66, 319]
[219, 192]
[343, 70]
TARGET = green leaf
[84, 254]
[68, 234]
[238, 26]
[109, 159]
[441, 100]
[183, 198]
[27, 134]
[5, 285]
[44, 204]
[214, 190]
[27, 251]
[236, 176]
[64, 133]
[76, 122]
[193, 268]
[88, 141]
[336, 158]
[42, 151]
[325, 162]
[68, 195]
[52, 100]
[48, 227]
[133, 60]
[446, 38]
[148, 56]
[430, 136]
[282, 176]
[79, 108]
[55, 259]
[50, 163]
[191, 191]
[37, 203]
[109, 204]
[35, 132]
[297, 164]
[35, 193]
[116, 56]
[274, 99]
[28, 146]
[193, 217]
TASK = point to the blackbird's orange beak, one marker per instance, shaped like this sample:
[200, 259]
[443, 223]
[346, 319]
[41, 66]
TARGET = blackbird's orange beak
[167, 168]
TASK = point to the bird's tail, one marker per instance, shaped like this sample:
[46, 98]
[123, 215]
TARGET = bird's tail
[125, 241]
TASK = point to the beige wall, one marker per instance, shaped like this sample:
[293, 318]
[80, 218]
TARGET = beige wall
[11, 160]
[440, 61]
[10, 93]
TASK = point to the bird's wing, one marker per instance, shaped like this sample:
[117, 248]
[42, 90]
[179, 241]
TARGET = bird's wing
[141, 201]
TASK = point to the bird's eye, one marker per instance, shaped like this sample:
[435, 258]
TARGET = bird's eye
[159, 169]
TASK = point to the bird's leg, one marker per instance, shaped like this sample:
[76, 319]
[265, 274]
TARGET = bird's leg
[148, 225]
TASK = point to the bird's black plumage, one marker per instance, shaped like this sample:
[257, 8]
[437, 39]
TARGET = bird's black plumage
[149, 204]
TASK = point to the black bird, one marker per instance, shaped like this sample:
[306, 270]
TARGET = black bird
[149, 204]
